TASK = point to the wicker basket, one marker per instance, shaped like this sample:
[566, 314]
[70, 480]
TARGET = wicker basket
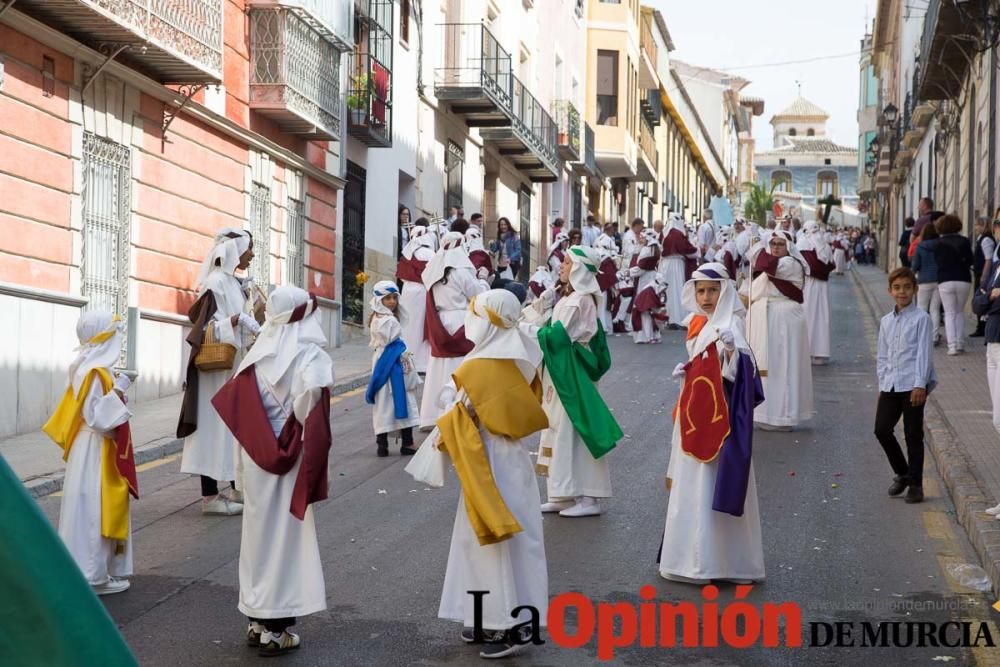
[213, 355]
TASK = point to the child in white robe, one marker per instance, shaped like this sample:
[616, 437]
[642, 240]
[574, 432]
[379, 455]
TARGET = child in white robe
[278, 408]
[576, 478]
[713, 532]
[507, 558]
[85, 426]
[395, 372]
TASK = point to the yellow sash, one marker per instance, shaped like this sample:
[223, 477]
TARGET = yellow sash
[505, 405]
[63, 427]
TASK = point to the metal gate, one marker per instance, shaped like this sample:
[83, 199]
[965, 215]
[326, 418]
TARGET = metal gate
[524, 211]
[353, 253]
[296, 239]
[107, 205]
[260, 228]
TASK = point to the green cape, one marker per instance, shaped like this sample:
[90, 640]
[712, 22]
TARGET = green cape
[574, 369]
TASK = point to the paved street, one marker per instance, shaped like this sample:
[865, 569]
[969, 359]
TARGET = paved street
[834, 542]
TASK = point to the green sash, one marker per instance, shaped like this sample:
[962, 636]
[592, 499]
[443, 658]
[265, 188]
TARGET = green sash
[574, 368]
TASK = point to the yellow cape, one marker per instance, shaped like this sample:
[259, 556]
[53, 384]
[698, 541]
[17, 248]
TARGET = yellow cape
[505, 405]
[63, 427]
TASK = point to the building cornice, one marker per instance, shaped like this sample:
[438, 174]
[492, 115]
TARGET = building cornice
[64, 43]
[686, 132]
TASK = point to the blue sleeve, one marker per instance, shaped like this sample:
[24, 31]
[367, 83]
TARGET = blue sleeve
[915, 262]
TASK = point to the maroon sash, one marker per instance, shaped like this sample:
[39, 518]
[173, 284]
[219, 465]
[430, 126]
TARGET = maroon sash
[729, 263]
[647, 300]
[410, 270]
[768, 263]
[443, 344]
[480, 259]
[690, 265]
[817, 269]
[675, 242]
[240, 406]
[607, 274]
[649, 263]
[536, 288]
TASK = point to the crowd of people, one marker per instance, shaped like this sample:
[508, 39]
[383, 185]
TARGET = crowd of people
[504, 369]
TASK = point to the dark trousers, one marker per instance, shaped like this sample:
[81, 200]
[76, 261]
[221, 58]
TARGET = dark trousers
[210, 487]
[891, 406]
[406, 434]
[275, 624]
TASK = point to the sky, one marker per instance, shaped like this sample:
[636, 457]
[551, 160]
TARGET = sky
[737, 35]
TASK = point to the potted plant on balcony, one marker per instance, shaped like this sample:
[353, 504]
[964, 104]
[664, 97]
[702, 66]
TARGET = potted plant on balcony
[561, 109]
[357, 99]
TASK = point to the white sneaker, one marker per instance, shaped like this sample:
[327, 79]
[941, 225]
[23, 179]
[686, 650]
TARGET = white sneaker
[276, 643]
[232, 494]
[993, 511]
[112, 586]
[220, 505]
[586, 506]
[952, 350]
[557, 506]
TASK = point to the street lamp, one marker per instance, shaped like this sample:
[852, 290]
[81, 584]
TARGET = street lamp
[890, 114]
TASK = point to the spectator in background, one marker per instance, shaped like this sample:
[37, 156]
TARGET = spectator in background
[925, 266]
[954, 261]
[575, 237]
[611, 229]
[557, 228]
[986, 303]
[870, 249]
[591, 230]
[402, 224]
[925, 214]
[508, 246]
[904, 242]
[982, 263]
[476, 220]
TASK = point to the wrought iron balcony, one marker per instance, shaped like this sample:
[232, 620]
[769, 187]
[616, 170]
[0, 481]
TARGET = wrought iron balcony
[568, 121]
[648, 163]
[294, 74]
[588, 165]
[944, 46]
[651, 107]
[369, 102]
[476, 80]
[332, 19]
[173, 41]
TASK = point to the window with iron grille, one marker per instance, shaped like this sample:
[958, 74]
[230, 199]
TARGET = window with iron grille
[454, 159]
[260, 228]
[524, 210]
[296, 260]
[577, 205]
[107, 204]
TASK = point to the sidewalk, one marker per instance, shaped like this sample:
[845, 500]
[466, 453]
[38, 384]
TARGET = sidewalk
[959, 422]
[38, 461]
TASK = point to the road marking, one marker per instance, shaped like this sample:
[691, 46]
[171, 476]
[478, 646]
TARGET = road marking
[938, 526]
[348, 394]
[149, 465]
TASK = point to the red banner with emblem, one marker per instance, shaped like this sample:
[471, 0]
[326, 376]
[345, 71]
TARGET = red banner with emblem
[702, 409]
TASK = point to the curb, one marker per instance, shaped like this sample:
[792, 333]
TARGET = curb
[966, 490]
[44, 485]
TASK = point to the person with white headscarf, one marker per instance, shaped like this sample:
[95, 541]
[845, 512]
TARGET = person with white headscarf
[451, 282]
[413, 299]
[778, 332]
[707, 232]
[819, 257]
[540, 281]
[712, 529]
[497, 544]
[841, 244]
[557, 253]
[727, 254]
[278, 407]
[677, 249]
[394, 380]
[209, 448]
[607, 278]
[646, 300]
[91, 426]
[572, 452]
[477, 253]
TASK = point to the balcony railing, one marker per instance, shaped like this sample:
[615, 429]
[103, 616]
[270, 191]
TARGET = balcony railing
[646, 41]
[944, 47]
[568, 120]
[647, 144]
[476, 78]
[333, 20]
[294, 74]
[369, 102]
[175, 41]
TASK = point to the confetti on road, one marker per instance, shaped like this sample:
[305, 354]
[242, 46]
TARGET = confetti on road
[382, 492]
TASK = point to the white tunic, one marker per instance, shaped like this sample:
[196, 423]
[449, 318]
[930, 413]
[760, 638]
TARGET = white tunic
[672, 270]
[452, 299]
[281, 574]
[573, 471]
[212, 450]
[647, 281]
[513, 571]
[816, 300]
[80, 511]
[698, 542]
[779, 337]
[384, 330]
[840, 259]
[413, 300]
